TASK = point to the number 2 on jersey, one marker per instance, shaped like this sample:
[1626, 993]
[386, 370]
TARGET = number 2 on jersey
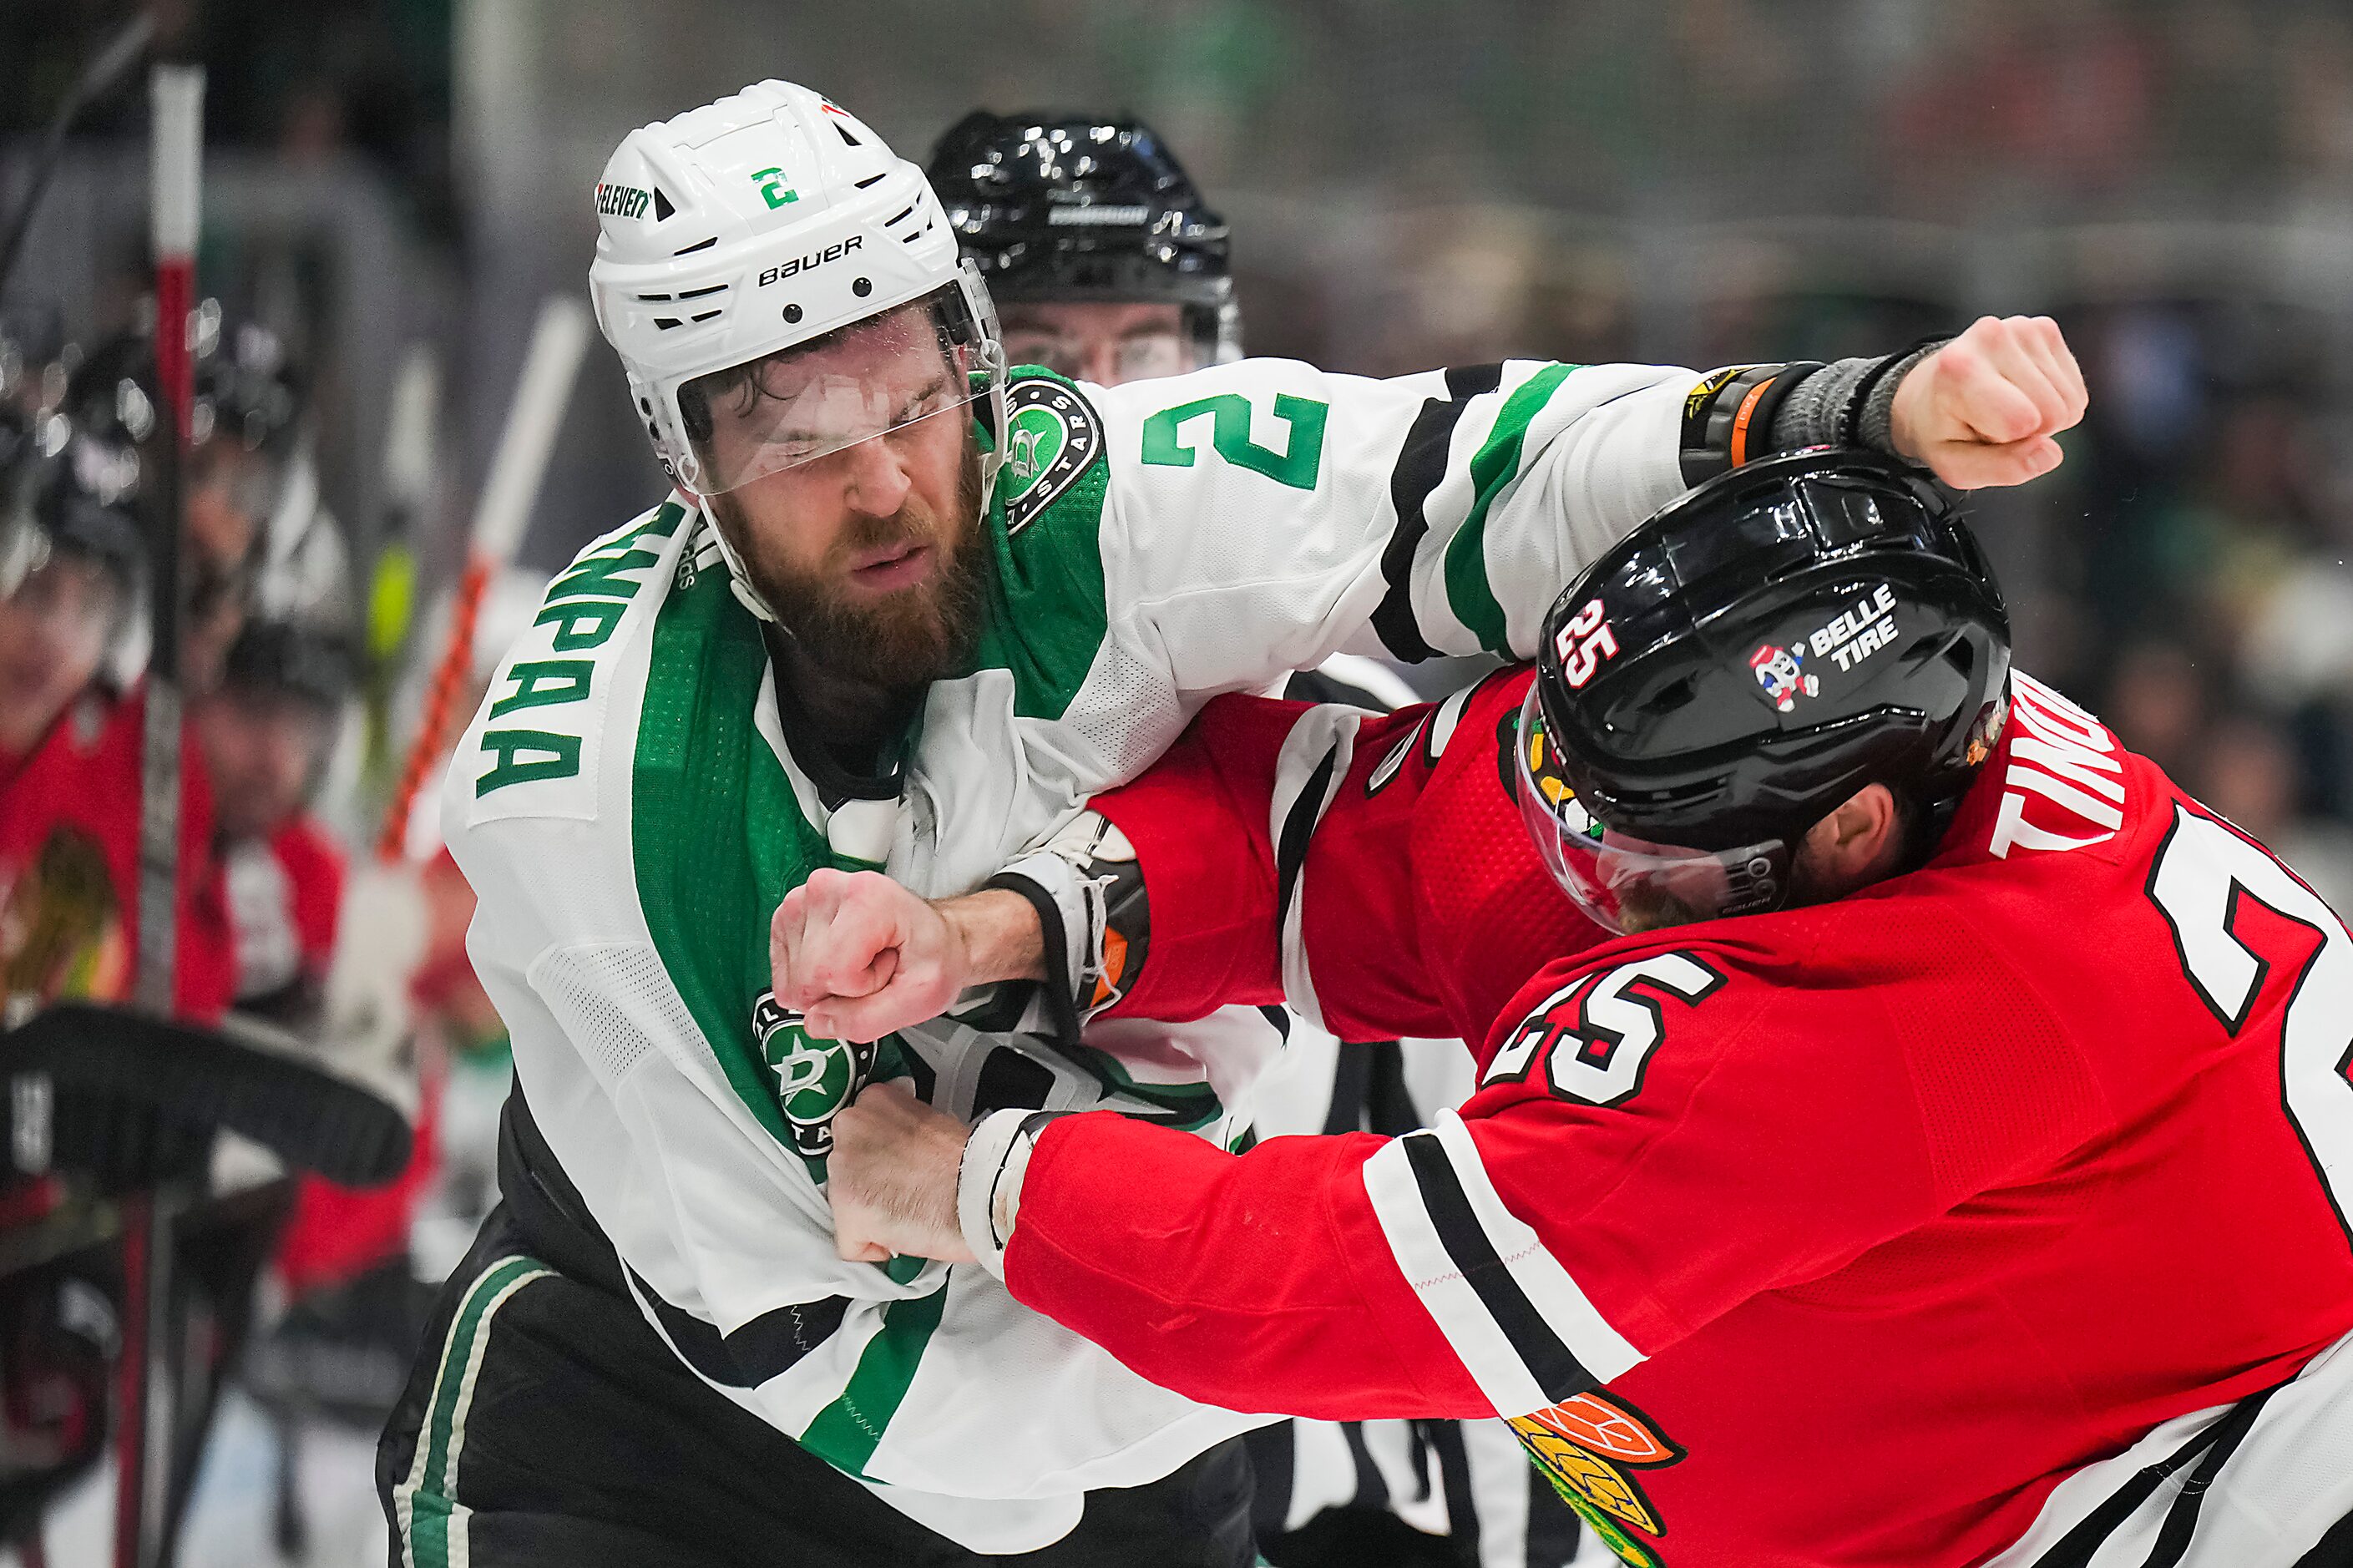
[1228, 413]
[2201, 873]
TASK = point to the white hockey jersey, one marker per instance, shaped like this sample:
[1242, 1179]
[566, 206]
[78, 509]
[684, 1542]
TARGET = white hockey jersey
[630, 808]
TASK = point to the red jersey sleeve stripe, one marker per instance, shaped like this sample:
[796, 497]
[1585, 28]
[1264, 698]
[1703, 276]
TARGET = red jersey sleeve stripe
[1308, 772]
[1604, 1351]
[1449, 714]
[1523, 1330]
[1443, 1289]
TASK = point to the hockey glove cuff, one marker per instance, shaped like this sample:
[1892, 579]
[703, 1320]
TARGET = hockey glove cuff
[989, 1183]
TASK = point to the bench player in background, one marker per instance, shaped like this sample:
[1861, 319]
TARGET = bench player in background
[1912, 1131]
[1107, 265]
[74, 454]
[72, 574]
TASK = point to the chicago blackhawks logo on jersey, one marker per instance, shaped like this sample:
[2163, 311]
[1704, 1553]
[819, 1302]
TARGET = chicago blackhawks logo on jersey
[1050, 436]
[61, 931]
[815, 1078]
[1585, 1446]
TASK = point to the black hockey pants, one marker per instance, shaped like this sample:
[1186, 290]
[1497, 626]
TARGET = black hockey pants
[546, 1426]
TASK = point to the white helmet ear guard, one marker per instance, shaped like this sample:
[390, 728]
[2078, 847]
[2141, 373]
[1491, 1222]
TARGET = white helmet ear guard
[983, 314]
[675, 461]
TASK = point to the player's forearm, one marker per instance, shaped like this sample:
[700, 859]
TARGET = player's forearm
[1259, 1282]
[1597, 449]
[998, 935]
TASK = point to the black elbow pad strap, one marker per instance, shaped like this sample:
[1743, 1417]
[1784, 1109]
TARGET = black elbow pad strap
[1061, 930]
[1741, 413]
[1729, 417]
[1092, 913]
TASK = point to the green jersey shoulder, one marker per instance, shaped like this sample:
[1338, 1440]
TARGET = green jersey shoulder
[1048, 612]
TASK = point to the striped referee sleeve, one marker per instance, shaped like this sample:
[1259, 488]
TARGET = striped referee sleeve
[1525, 1330]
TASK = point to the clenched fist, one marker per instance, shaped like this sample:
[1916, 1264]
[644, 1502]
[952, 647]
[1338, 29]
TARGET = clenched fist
[843, 939]
[1982, 409]
[858, 955]
[891, 1179]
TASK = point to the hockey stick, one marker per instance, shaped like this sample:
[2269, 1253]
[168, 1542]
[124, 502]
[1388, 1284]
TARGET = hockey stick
[119, 1066]
[383, 933]
[391, 602]
[140, 1462]
[549, 369]
[179, 98]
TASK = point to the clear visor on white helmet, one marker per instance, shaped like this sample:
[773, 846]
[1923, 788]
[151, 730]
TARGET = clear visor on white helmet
[901, 376]
[1628, 884]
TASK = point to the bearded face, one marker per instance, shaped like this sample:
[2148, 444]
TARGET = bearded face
[861, 528]
[894, 598]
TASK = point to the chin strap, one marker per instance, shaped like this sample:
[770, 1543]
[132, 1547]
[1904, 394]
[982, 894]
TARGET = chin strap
[738, 580]
[993, 432]
[994, 370]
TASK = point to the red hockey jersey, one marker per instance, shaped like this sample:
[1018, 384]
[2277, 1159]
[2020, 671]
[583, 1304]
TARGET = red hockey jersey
[1837, 1236]
[69, 866]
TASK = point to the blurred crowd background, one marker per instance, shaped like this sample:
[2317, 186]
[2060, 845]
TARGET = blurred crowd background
[394, 183]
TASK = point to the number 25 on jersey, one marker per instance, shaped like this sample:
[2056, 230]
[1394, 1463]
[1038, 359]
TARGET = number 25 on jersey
[1597, 1035]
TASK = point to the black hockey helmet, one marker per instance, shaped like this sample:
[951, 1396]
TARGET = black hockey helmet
[60, 493]
[1054, 206]
[1741, 663]
[294, 658]
[246, 399]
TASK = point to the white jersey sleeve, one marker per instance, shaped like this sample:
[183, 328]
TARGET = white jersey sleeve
[1264, 514]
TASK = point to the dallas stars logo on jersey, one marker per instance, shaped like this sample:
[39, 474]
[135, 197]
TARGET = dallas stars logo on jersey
[815, 1078]
[1051, 435]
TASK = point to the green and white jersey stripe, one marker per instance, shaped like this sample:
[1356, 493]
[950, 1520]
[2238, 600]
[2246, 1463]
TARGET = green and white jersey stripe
[433, 1522]
[629, 809]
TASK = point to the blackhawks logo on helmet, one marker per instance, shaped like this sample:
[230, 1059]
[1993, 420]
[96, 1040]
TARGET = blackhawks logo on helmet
[815, 1078]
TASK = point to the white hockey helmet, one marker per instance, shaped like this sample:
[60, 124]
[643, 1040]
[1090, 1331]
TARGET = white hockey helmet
[768, 219]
